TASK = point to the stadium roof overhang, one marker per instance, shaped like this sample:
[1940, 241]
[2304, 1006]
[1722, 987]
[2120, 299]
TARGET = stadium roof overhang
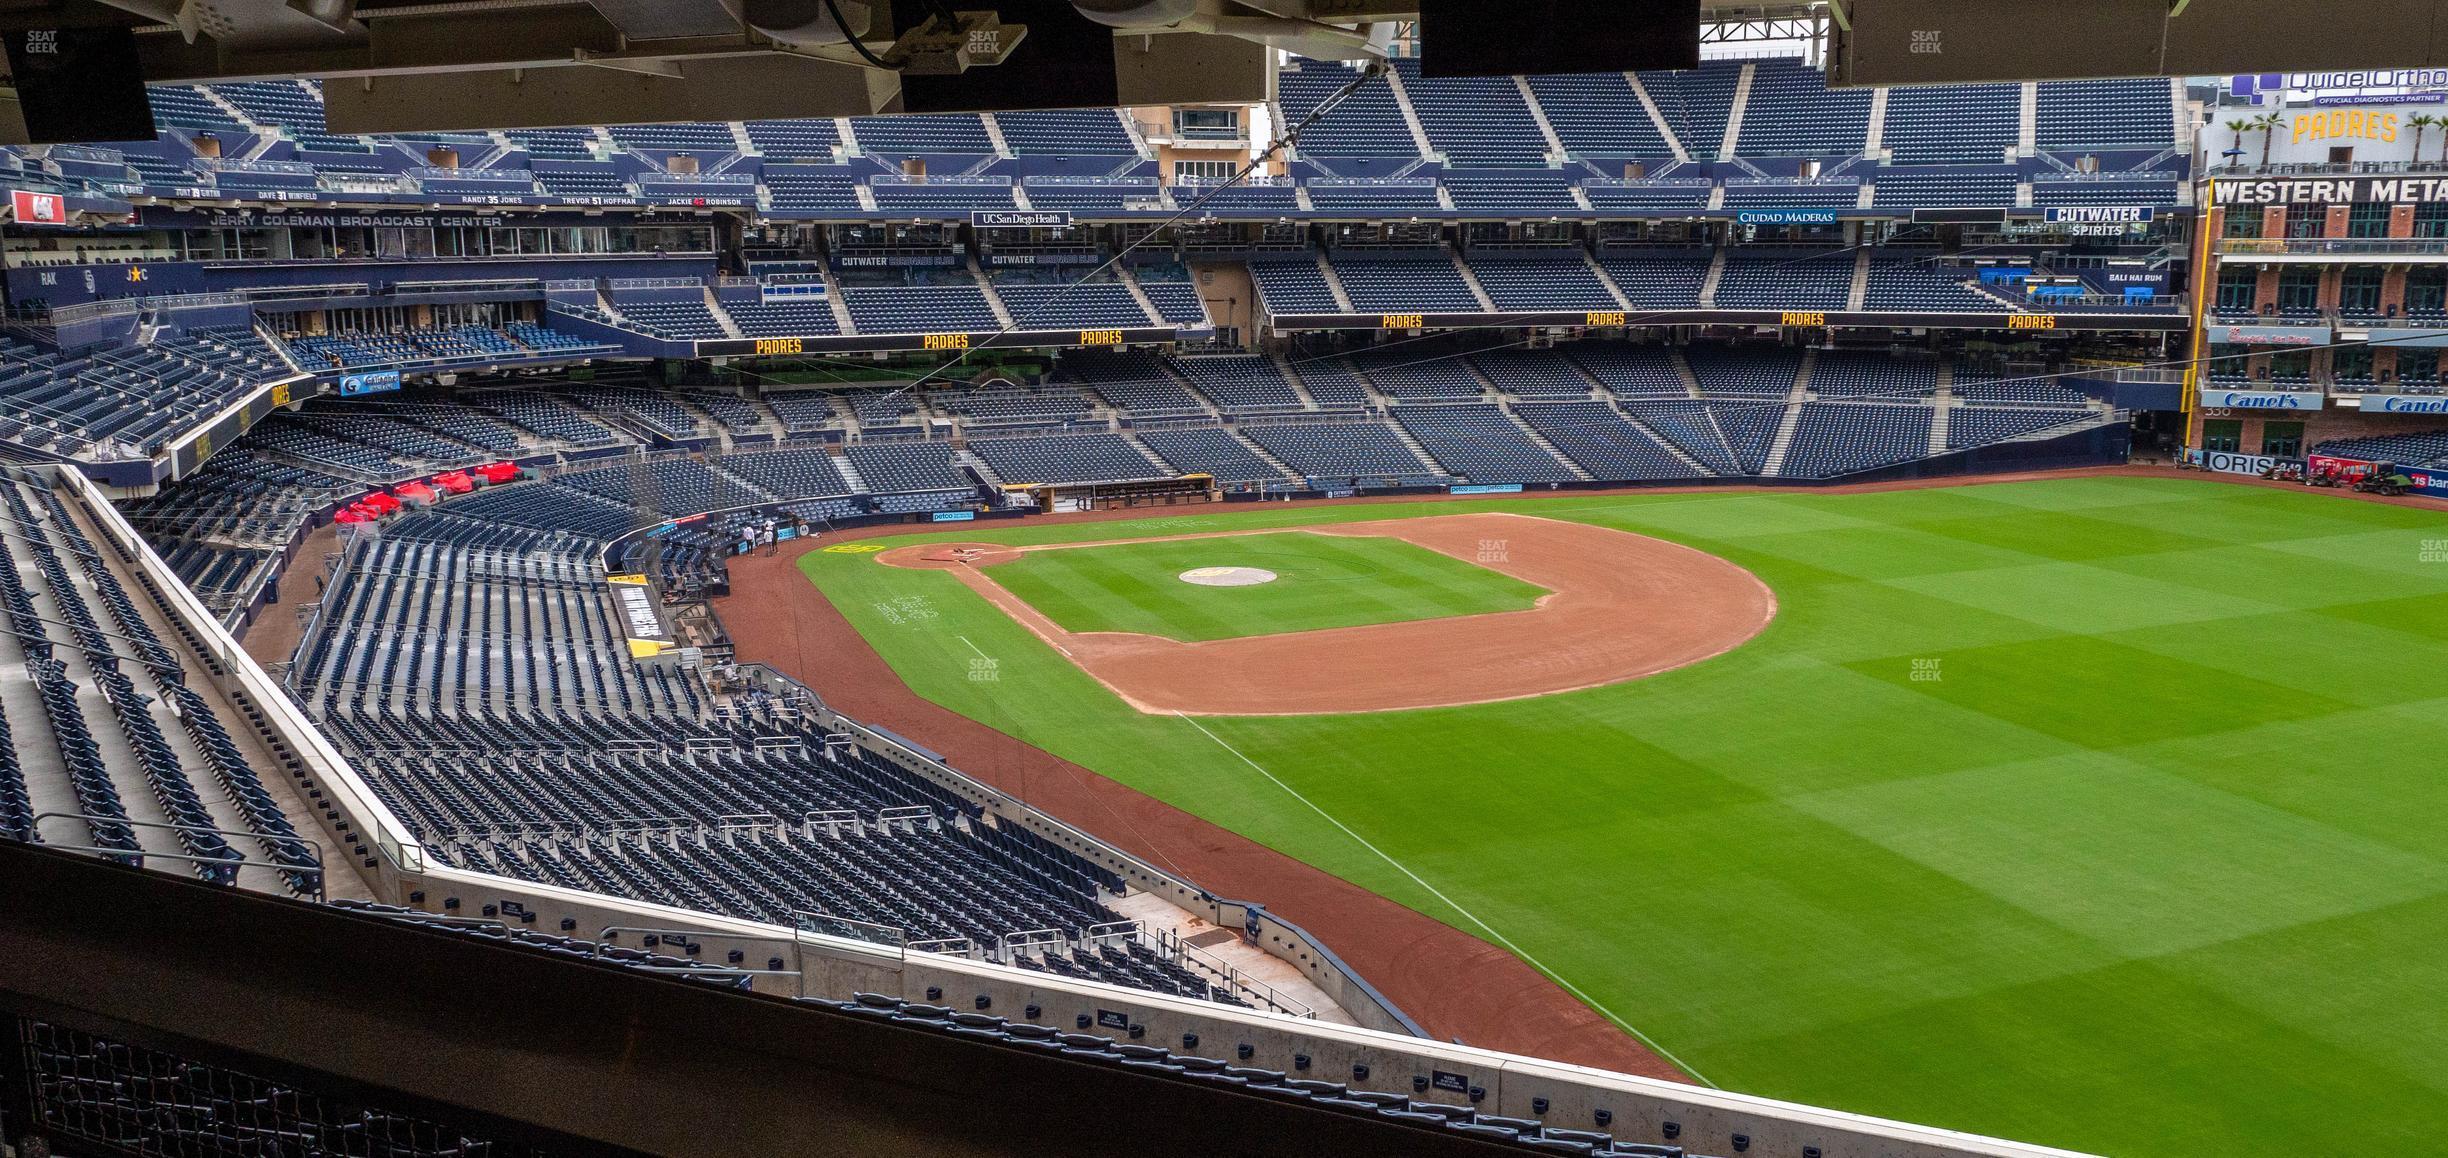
[1881, 42]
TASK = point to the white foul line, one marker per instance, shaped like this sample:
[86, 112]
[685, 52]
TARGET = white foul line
[1473, 918]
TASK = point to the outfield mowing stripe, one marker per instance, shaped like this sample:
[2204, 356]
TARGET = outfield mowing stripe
[1467, 915]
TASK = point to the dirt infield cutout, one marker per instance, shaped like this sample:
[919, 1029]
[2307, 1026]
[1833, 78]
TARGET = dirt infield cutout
[1623, 606]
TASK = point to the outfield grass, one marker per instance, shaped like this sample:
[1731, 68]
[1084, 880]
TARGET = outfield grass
[1321, 581]
[2148, 860]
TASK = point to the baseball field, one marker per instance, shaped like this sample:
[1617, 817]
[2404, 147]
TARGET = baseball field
[2106, 812]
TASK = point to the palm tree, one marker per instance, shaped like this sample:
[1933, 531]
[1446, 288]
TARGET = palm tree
[2238, 127]
[2268, 124]
[2420, 121]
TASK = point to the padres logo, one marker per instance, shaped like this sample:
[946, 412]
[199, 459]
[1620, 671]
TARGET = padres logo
[854, 548]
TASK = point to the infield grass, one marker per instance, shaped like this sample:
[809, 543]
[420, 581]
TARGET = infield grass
[2106, 813]
[1321, 581]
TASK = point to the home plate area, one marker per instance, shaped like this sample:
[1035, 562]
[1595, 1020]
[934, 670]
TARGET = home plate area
[1227, 576]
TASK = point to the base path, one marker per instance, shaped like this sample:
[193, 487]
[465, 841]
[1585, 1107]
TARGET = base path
[1621, 606]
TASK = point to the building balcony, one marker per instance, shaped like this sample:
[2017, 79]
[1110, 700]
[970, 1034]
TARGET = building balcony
[2423, 250]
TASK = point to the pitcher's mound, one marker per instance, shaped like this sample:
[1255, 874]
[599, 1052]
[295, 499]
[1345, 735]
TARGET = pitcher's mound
[1227, 576]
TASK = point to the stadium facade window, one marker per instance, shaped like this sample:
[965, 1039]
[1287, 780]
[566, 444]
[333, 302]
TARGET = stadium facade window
[2299, 288]
[2359, 290]
[1207, 124]
[2431, 219]
[2282, 439]
[2242, 223]
[2223, 434]
[2368, 219]
[2426, 289]
[2417, 365]
[2306, 220]
[2237, 284]
[2350, 363]
[1204, 170]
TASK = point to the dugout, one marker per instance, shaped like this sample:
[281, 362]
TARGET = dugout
[1111, 496]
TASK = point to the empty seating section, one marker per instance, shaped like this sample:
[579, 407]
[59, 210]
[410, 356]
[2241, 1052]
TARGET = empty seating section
[1983, 187]
[810, 139]
[1054, 404]
[775, 318]
[936, 133]
[1343, 454]
[918, 309]
[1133, 381]
[1984, 385]
[1211, 451]
[128, 400]
[1791, 112]
[1743, 373]
[787, 474]
[1295, 286]
[908, 466]
[1240, 381]
[2102, 191]
[1523, 194]
[1665, 196]
[1696, 103]
[546, 754]
[1331, 382]
[1415, 377]
[1532, 374]
[1177, 302]
[1371, 197]
[1982, 425]
[1367, 124]
[941, 197]
[1786, 279]
[1598, 115]
[108, 737]
[1066, 458]
[680, 486]
[671, 314]
[1423, 282]
[2132, 113]
[1474, 120]
[1606, 444]
[1920, 280]
[812, 189]
[1481, 444]
[1741, 193]
[1953, 124]
[1065, 131]
[1241, 198]
[1630, 371]
[1072, 305]
[692, 136]
[1534, 280]
[2425, 448]
[1658, 279]
[1831, 439]
[1836, 375]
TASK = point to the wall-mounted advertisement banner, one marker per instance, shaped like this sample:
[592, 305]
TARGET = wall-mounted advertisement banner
[2261, 399]
[1019, 219]
[2379, 337]
[2270, 335]
[33, 208]
[2329, 190]
[2224, 462]
[1785, 217]
[2099, 214]
[2405, 404]
[370, 382]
